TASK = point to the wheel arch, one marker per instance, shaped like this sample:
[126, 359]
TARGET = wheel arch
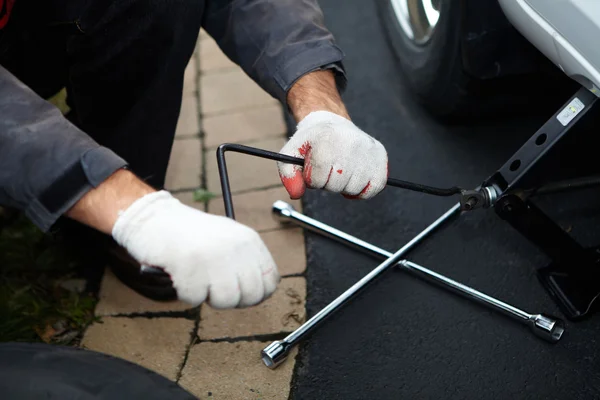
[491, 47]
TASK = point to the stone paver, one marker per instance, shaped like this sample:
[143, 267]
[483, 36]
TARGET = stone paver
[225, 105]
[287, 248]
[117, 299]
[227, 371]
[203, 36]
[190, 79]
[231, 91]
[282, 312]
[188, 124]
[245, 126]
[158, 344]
[245, 172]
[254, 208]
[212, 58]
[185, 165]
[187, 198]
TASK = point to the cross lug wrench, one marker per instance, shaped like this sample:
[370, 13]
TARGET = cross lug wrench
[276, 353]
[546, 327]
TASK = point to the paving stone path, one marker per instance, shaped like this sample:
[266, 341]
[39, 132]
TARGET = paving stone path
[215, 354]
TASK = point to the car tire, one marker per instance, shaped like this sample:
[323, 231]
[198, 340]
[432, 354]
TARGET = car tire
[433, 70]
[43, 371]
[435, 75]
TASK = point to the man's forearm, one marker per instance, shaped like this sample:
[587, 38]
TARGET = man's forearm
[99, 208]
[316, 91]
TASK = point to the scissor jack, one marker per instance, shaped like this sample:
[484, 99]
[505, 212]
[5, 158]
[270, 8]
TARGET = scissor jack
[572, 279]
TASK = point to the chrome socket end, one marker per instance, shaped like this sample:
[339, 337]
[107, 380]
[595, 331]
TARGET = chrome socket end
[274, 354]
[282, 211]
[548, 328]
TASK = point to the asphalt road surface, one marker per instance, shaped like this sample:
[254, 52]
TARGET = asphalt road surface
[404, 338]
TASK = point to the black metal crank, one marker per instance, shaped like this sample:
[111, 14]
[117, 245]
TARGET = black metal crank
[252, 151]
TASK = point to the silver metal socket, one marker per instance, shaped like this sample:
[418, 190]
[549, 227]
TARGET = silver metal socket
[282, 211]
[274, 354]
[548, 328]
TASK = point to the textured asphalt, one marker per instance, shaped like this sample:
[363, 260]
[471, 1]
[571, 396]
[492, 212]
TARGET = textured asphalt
[404, 338]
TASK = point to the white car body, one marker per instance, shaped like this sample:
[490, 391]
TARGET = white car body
[565, 31]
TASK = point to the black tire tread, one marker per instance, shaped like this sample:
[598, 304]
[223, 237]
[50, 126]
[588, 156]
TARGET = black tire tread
[435, 75]
[42, 371]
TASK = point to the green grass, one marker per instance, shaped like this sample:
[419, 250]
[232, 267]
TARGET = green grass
[203, 196]
[59, 100]
[34, 307]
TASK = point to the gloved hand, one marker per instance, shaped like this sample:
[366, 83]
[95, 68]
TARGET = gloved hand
[339, 157]
[208, 257]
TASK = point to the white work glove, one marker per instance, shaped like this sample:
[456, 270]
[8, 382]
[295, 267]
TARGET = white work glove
[339, 157]
[208, 257]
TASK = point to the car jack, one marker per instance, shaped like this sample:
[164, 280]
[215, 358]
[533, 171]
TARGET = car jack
[572, 279]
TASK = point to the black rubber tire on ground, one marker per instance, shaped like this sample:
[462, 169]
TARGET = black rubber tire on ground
[40, 371]
[435, 75]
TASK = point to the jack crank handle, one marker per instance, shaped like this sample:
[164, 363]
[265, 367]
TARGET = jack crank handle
[271, 155]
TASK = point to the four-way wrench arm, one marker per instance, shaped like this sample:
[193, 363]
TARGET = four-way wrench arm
[548, 328]
[276, 353]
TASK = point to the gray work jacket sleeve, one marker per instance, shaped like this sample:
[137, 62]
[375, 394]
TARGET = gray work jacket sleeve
[274, 41]
[46, 163]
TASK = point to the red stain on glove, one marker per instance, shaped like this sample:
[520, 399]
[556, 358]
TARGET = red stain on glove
[306, 147]
[358, 196]
[5, 9]
[308, 167]
[296, 185]
[328, 176]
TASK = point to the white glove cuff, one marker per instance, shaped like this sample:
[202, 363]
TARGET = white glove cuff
[319, 117]
[134, 216]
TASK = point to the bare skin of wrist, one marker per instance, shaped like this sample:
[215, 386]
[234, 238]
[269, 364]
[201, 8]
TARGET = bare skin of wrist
[99, 208]
[315, 91]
